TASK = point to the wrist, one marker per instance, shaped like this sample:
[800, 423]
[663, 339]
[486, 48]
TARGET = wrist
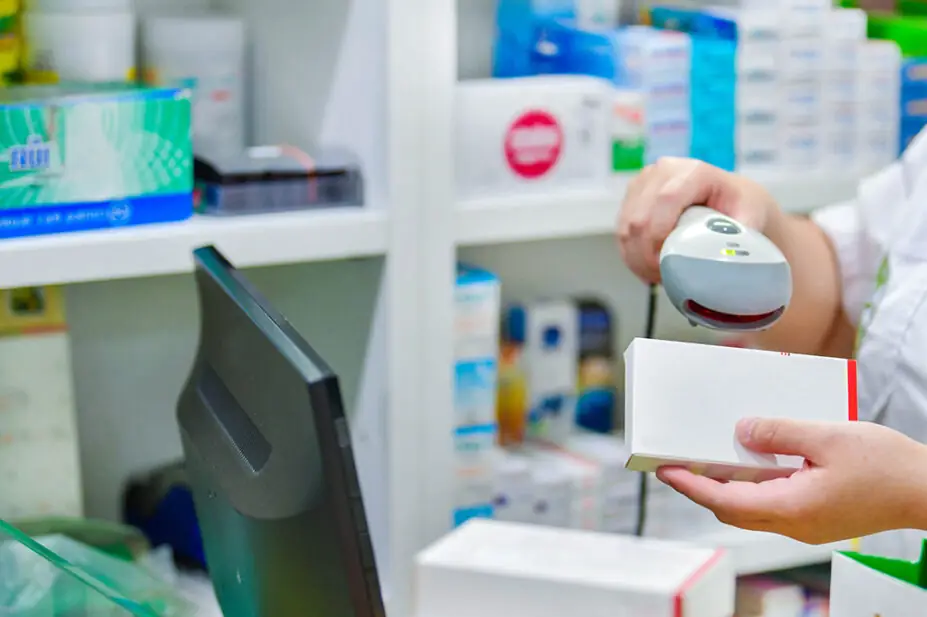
[777, 223]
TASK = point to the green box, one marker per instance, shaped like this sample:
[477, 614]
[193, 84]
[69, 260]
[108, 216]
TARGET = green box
[73, 158]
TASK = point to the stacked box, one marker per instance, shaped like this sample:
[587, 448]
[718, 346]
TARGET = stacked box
[879, 103]
[913, 98]
[476, 332]
[655, 64]
[714, 101]
[843, 107]
[756, 114]
[801, 72]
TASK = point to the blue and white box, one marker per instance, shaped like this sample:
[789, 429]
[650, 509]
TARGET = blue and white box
[477, 306]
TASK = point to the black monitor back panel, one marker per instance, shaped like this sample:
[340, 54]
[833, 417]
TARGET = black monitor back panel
[268, 455]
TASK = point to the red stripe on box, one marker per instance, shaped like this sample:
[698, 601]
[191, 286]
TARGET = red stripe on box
[690, 582]
[852, 398]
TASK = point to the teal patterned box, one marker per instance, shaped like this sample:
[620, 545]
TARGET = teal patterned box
[73, 158]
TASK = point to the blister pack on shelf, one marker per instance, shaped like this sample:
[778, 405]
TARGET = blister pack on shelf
[275, 179]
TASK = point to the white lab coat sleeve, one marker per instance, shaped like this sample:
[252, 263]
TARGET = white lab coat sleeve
[863, 230]
[858, 254]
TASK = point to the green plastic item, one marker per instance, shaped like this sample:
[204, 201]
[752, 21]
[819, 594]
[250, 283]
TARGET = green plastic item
[922, 568]
[55, 576]
[122, 541]
[912, 7]
[911, 35]
[914, 573]
[878, 25]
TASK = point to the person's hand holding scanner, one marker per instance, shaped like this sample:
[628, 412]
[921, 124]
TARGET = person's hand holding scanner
[658, 195]
[859, 479]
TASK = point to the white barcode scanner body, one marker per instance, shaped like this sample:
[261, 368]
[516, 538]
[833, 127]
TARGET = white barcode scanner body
[723, 275]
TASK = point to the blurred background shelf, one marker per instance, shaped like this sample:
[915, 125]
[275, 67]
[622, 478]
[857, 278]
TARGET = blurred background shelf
[136, 252]
[755, 552]
[572, 214]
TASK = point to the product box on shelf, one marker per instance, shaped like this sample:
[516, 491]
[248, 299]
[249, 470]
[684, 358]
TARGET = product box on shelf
[913, 100]
[78, 158]
[653, 63]
[597, 399]
[846, 30]
[668, 137]
[520, 24]
[513, 487]
[535, 134]
[476, 335]
[535, 490]
[757, 139]
[39, 449]
[629, 131]
[714, 101]
[497, 569]
[548, 332]
[618, 491]
[759, 596]
[684, 400]
[583, 505]
[801, 146]
[559, 489]
[517, 22]
[914, 78]
[32, 310]
[803, 18]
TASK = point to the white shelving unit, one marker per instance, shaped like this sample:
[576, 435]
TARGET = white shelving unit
[152, 250]
[370, 288]
[576, 214]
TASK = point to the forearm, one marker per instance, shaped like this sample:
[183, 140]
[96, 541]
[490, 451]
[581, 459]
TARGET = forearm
[912, 513]
[814, 322]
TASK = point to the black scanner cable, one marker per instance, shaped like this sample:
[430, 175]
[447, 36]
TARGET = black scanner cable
[641, 522]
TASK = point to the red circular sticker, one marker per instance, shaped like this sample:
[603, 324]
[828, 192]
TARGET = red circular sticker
[533, 144]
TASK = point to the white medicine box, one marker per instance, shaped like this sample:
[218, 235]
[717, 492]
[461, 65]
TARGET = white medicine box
[495, 569]
[532, 134]
[684, 400]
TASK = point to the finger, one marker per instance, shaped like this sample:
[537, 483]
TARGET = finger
[746, 504]
[631, 204]
[692, 183]
[643, 245]
[632, 222]
[703, 491]
[783, 436]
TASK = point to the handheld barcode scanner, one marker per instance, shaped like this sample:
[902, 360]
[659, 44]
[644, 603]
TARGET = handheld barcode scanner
[723, 275]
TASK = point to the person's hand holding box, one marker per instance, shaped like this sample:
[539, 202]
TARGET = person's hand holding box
[859, 479]
[683, 402]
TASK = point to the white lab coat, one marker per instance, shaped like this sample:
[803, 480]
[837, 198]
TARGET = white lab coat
[881, 244]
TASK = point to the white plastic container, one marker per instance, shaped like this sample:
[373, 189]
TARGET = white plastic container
[92, 44]
[206, 52]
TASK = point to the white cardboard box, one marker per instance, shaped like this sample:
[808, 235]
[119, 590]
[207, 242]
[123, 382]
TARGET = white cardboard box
[683, 402]
[495, 569]
[860, 590]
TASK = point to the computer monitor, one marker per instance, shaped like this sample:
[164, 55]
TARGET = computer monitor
[269, 460]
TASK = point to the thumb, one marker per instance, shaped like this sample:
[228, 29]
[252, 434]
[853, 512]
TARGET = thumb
[780, 436]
